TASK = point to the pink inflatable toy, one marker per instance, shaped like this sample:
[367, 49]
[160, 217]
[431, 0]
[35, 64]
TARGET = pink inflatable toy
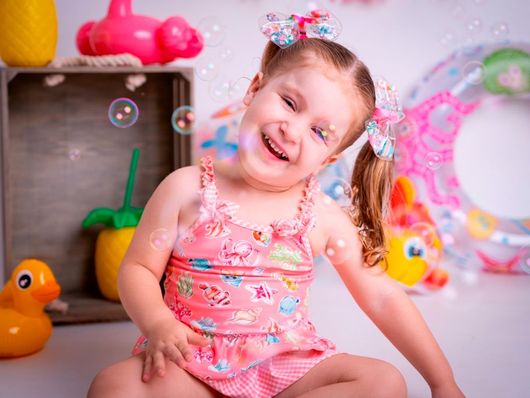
[151, 40]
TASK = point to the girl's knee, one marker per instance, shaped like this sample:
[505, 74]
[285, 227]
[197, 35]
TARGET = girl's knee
[109, 383]
[389, 382]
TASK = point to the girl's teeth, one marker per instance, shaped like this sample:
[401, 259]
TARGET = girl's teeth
[275, 147]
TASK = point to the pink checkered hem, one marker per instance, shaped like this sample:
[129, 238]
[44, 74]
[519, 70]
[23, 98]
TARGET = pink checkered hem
[271, 376]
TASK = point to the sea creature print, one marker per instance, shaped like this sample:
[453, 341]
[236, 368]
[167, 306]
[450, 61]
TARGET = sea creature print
[288, 305]
[181, 311]
[233, 278]
[221, 366]
[216, 229]
[200, 264]
[289, 283]
[185, 285]
[214, 295]
[273, 327]
[206, 324]
[203, 354]
[239, 253]
[245, 317]
[261, 292]
[262, 238]
[288, 259]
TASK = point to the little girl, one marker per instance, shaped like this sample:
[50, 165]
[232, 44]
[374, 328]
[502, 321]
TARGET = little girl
[243, 234]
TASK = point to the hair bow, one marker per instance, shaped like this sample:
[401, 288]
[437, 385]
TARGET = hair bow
[380, 127]
[284, 31]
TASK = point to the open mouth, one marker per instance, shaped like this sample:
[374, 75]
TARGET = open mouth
[271, 146]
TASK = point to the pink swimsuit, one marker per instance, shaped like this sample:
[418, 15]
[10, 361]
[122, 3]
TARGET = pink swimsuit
[246, 287]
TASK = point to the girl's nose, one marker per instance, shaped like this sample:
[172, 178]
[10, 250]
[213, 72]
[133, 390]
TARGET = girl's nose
[290, 131]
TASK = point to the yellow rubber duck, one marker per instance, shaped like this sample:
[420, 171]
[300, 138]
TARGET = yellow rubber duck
[24, 327]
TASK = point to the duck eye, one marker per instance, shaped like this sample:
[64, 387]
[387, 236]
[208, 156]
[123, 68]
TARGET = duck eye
[24, 279]
[414, 247]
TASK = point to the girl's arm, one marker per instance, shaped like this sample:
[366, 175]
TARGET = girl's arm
[387, 305]
[143, 266]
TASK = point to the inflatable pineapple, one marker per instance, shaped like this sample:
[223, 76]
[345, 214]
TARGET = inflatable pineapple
[28, 32]
[114, 239]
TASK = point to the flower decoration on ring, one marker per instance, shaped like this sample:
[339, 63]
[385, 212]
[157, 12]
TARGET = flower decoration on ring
[284, 31]
[388, 113]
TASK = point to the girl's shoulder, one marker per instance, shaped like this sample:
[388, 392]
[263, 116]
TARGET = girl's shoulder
[181, 185]
[332, 218]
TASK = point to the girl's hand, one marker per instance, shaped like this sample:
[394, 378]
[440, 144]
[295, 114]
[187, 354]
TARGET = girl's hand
[169, 339]
[448, 390]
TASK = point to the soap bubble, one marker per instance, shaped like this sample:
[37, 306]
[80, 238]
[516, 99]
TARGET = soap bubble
[473, 72]
[183, 120]
[433, 160]
[212, 31]
[159, 239]
[123, 112]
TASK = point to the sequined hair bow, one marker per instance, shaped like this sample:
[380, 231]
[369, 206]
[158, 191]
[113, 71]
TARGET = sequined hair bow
[284, 31]
[388, 113]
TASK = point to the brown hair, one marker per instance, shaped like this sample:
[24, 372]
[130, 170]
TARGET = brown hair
[372, 177]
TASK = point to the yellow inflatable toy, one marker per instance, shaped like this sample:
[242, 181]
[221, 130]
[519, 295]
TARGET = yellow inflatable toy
[413, 243]
[24, 327]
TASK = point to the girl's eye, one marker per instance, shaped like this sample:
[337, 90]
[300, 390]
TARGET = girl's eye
[290, 103]
[321, 133]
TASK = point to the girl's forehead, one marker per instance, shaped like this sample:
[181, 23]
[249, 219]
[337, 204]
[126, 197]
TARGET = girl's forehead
[325, 90]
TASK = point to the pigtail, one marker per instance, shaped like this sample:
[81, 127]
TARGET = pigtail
[371, 184]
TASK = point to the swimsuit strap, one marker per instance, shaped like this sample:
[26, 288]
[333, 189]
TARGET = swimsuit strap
[306, 214]
[208, 192]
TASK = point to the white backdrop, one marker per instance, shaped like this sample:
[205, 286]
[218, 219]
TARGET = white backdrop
[398, 39]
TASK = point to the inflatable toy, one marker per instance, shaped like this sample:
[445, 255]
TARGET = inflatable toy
[434, 113]
[24, 327]
[28, 32]
[415, 248]
[113, 241]
[147, 38]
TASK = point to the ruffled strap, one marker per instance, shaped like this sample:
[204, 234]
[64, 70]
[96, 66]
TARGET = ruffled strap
[304, 221]
[208, 190]
[307, 215]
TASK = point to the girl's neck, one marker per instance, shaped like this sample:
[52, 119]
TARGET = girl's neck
[232, 170]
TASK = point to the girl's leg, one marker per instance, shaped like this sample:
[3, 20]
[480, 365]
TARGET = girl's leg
[344, 375]
[123, 379]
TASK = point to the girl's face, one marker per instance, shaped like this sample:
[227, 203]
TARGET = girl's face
[293, 125]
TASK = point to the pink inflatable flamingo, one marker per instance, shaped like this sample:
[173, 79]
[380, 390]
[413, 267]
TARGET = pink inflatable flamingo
[149, 39]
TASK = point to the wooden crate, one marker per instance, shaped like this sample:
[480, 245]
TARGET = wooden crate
[61, 157]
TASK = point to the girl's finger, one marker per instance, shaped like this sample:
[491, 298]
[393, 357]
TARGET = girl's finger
[159, 363]
[197, 339]
[173, 354]
[185, 350]
[147, 366]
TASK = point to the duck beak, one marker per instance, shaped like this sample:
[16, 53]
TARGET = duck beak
[46, 293]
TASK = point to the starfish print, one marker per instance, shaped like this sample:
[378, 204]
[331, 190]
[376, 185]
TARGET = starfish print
[261, 292]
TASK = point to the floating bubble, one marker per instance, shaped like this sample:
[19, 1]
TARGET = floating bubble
[473, 72]
[74, 154]
[123, 112]
[448, 39]
[500, 31]
[183, 120]
[206, 69]
[425, 231]
[212, 31]
[340, 191]
[159, 239]
[433, 160]
[525, 263]
[227, 89]
[474, 26]
[226, 54]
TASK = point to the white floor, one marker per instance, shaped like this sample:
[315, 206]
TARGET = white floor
[481, 321]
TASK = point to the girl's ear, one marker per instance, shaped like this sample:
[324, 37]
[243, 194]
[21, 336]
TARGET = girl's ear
[255, 85]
